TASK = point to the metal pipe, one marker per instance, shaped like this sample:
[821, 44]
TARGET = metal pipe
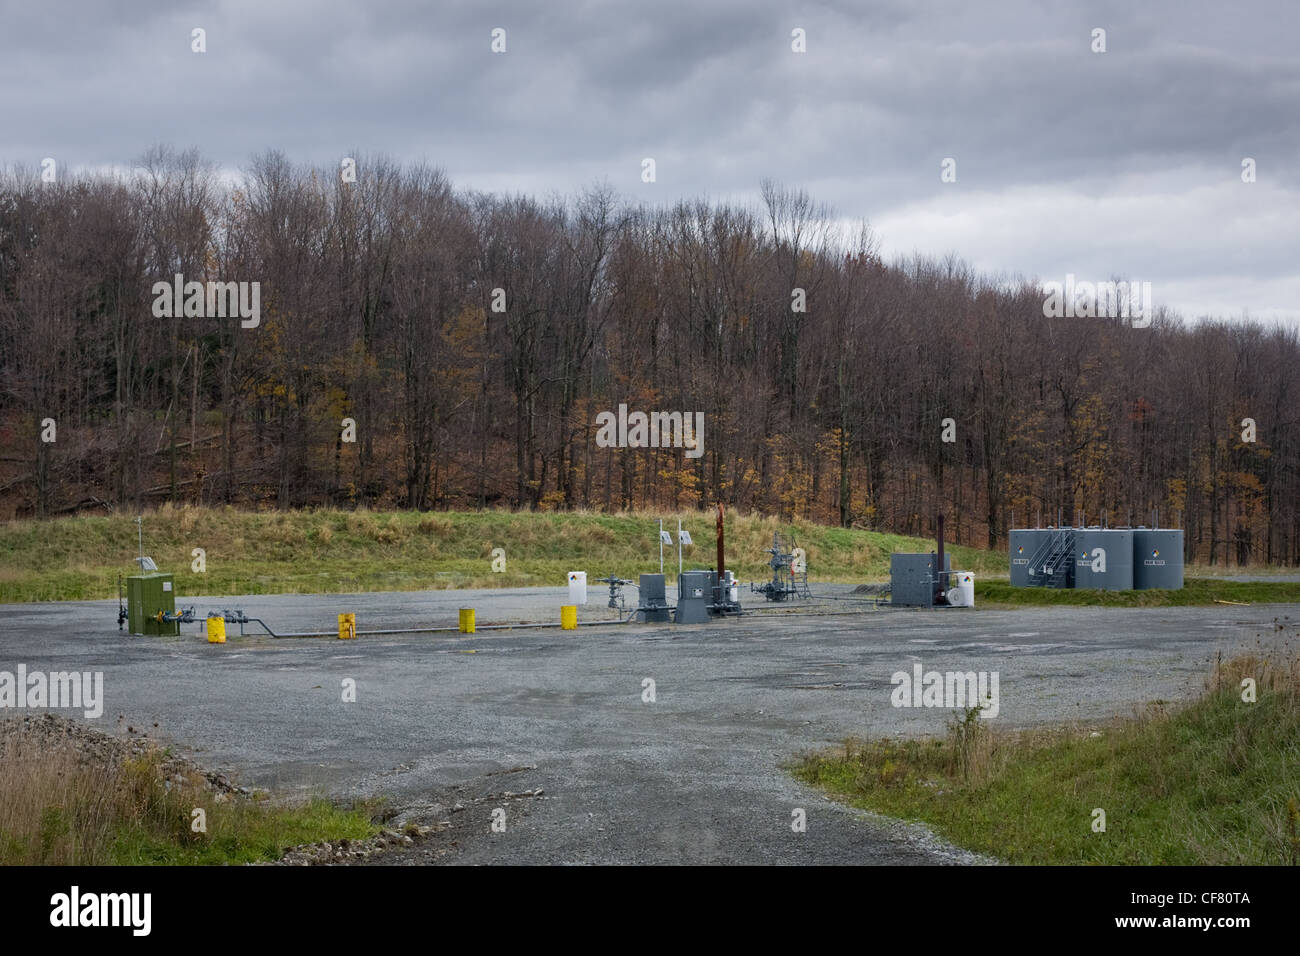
[721, 558]
[939, 575]
[438, 630]
[808, 610]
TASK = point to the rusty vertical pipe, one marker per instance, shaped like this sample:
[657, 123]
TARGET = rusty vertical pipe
[721, 558]
[940, 579]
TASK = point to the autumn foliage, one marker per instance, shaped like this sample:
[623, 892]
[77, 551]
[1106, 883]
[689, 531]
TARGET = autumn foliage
[378, 299]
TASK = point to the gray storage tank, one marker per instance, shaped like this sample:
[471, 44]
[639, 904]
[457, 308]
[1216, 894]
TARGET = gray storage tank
[1052, 564]
[1103, 558]
[1157, 558]
[1023, 543]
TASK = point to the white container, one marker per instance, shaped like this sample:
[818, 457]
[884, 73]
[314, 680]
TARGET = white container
[963, 595]
[577, 587]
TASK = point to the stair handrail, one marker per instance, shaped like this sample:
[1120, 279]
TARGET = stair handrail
[1059, 542]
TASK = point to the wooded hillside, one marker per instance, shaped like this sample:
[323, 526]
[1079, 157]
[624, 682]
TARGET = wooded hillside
[377, 305]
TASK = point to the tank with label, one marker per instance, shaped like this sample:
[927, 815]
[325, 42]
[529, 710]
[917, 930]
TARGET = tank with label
[962, 592]
[1157, 558]
[1103, 558]
[1024, 542]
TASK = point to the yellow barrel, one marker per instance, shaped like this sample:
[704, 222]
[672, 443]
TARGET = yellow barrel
[347, 627]
[216, 630]
[568, 617]
[467, 620]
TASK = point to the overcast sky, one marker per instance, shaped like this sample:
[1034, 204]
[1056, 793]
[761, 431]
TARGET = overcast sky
[1126, 163]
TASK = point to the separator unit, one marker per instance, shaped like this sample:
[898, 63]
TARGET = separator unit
[928, 580]
[914, 581]
[653, 607]
[695, 596]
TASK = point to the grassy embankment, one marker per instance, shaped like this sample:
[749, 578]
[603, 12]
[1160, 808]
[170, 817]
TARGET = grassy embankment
[58, 808]
[1213, 781]
[334, 552]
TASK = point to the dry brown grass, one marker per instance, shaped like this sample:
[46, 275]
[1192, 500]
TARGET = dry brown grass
[978, 754]
[73, 795]
[59, 807]
[1277, 673]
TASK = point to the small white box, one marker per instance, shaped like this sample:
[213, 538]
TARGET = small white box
[577, 587]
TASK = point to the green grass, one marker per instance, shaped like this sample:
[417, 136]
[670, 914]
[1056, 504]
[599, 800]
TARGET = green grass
[240, 833]
[1195, 591]
[1216, 781]
[79, 558]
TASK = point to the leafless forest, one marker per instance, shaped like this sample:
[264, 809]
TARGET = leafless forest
[377, 305]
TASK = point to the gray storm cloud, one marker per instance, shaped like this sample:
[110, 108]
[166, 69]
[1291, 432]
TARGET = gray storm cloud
[1068, 161]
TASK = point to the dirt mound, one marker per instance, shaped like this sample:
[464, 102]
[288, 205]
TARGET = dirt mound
[50, 733]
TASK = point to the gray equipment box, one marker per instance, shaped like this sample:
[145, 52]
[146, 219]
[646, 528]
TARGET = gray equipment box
[695, 596]
[912, 578]
[652, 607]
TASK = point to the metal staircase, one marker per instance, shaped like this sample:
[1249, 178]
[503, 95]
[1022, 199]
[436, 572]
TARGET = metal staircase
[800, 581]
[1052, 565]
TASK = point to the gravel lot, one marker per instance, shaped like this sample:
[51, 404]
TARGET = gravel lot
[452, 727]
